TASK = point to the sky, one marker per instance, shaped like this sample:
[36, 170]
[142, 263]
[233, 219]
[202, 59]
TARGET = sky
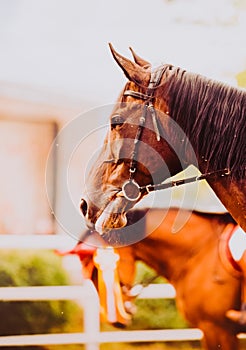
[60, 47]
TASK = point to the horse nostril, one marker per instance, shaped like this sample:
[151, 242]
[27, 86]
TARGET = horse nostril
[83, 207]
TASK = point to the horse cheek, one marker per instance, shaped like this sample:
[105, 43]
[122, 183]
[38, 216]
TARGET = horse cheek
[117, 176]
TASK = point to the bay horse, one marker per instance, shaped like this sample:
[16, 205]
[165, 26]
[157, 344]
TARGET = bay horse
[166, 119]
[196, 261]
[181, 118]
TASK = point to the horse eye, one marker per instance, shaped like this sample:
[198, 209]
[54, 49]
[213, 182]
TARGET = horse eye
[116, 120]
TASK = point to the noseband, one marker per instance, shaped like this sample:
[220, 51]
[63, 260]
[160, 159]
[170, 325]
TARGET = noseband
[130, 189]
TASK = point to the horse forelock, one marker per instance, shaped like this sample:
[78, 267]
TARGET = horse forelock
[212, 114]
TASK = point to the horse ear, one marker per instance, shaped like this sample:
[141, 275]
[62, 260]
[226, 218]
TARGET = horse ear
[133, 71]
[140, 61]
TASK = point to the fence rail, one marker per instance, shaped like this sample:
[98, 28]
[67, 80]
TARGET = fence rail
[87, 296]
[92, 337]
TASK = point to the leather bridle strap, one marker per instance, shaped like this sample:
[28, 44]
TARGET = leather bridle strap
[162, 186]
[131, 185]
[136, 94]
[137, 190]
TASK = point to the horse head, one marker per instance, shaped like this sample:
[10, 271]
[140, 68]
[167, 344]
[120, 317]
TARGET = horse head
[133, 153]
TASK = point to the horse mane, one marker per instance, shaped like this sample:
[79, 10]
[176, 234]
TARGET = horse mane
[212, 114]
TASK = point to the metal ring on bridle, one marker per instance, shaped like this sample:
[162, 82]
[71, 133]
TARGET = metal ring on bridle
[131, 190]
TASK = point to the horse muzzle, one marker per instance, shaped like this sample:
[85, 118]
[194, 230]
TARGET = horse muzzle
[111, 217]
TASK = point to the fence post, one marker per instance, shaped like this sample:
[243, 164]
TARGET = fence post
[92, 318]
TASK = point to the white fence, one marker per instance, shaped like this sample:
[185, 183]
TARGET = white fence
[87, 296]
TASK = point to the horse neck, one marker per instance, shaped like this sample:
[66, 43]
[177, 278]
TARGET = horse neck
[211, 114]
[169, 254]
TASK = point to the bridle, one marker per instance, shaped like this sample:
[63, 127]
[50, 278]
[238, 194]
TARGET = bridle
[131, 189]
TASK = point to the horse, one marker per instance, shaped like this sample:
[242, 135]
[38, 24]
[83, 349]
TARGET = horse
[196, 261]
[166, 119]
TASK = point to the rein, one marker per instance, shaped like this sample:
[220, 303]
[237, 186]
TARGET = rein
[130, 189]
[162, 186]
